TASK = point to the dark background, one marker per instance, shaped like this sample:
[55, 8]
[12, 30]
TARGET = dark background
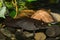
[44, 4]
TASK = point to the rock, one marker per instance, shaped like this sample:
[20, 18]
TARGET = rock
[19, 36]
[2, 37]
[51, 39]
[28, 34]
[53, 31]
[40, 36]
[56, 16]
[6, 32]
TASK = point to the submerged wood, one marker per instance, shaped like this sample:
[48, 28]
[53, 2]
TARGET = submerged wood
[43, 15]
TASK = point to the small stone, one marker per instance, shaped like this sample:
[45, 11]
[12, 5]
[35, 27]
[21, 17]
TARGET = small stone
[40, 36]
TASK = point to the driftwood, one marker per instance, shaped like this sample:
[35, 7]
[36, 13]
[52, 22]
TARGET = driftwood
[25, 13]
[43, 15]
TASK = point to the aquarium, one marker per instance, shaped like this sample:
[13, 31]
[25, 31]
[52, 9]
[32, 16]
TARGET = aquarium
[29, 19]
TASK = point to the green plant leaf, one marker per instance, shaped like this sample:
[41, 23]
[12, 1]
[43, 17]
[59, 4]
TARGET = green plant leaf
[12, 14]
[9, 5]
[0, 4]
[3, 12]
[31, 0]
